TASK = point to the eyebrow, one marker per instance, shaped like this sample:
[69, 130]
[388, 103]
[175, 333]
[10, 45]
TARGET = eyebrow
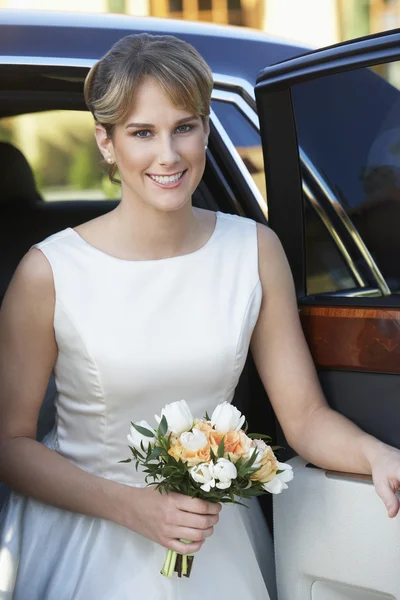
[150, 125]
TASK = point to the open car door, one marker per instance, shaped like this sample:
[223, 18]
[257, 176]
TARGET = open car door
[330, 124]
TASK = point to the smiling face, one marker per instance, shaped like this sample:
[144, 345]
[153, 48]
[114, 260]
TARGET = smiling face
[159, 150]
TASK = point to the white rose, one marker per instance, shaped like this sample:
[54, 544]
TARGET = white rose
[226, 417]
[224, 471]
[203, 474]
[178, 415]
[280, 480]
[193, 441]
[134, 437]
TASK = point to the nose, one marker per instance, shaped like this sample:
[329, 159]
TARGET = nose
[168, 154]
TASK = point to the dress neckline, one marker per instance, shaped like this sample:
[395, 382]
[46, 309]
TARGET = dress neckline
[153, 260]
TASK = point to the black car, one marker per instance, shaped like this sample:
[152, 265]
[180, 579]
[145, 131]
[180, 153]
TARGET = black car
[330, 126]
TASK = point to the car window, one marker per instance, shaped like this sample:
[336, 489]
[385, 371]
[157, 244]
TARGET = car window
[245, 138]
[62, 153]
[326, 269]
[349, 126]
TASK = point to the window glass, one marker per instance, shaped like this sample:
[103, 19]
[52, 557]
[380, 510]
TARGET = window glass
[62, 153]
[326, 269]
[349, 126]
[246, 140]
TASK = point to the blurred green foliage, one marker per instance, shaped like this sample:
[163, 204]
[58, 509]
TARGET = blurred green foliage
[6, 131]
[116, 6]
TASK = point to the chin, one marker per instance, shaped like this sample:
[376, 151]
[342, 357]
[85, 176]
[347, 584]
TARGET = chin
[169, 206]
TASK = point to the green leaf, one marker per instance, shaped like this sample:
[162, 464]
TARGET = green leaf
[258, 436]
[155, 453]
[239, 463]
[163, 426]
[143, 430]
[212, 455]
[207, 418]
[221, 448]
[252, 458]
[125, 461]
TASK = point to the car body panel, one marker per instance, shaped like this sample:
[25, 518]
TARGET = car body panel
[231, 50]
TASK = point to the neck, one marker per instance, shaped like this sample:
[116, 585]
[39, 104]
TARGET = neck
[152, 233]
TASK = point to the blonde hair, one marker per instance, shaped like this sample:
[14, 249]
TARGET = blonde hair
[178, 68]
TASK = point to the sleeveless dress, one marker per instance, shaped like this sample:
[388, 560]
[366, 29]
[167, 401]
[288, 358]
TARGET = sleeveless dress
[133, 336]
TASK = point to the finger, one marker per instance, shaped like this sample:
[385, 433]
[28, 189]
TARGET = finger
[195, 521]
[184, 548]
[386, 492]
[196, 505]
[194, 535]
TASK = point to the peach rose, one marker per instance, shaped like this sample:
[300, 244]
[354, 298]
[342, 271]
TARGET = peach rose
[204, 426]
[175, 450]
[188, 455]
[268, 466]
[192, 457]
[236, 443]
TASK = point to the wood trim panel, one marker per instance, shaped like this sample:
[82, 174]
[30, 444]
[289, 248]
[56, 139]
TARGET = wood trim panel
[349, 476]
[353, 339]
[343, 474]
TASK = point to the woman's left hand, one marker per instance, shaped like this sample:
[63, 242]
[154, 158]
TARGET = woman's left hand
[385, 468]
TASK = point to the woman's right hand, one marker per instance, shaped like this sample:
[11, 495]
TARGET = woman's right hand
[167, 518]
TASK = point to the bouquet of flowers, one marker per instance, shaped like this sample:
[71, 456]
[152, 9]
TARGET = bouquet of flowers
[210, 458]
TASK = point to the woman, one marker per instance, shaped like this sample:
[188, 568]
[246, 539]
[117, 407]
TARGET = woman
[153, 302]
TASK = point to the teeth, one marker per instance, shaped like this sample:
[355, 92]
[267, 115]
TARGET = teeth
[162, 179]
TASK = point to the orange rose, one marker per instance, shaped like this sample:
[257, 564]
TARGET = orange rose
[195, 457]
[175, 449]
[190, 447]
[236, 443]
[203, 426]
[268, 466]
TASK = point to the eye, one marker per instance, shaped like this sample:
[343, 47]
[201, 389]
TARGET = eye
[143, 134]
[184, 128]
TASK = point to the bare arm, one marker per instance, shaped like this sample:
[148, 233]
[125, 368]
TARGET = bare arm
[284, 363]
[27, 355]
[28, 352]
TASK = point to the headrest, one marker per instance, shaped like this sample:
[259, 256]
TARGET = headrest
[17, 184]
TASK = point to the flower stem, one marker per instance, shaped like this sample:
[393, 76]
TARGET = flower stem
[172, 563]
[165, 566]
[184, 564]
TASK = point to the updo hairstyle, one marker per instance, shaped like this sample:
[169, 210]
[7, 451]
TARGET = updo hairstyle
[178, 68]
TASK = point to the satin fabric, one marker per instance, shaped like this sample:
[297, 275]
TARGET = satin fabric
[133, 336]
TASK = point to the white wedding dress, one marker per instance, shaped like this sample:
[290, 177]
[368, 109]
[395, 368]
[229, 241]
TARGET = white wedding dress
[133, 336]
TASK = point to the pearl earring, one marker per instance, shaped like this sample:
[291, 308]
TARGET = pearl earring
[205, 147]
[109, 160]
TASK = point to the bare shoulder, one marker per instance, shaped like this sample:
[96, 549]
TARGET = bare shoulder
[32, 282]
[272, 262]
[34, 270]
[268, 241]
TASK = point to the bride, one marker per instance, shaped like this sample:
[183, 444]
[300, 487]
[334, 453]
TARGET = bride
[150, 303]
